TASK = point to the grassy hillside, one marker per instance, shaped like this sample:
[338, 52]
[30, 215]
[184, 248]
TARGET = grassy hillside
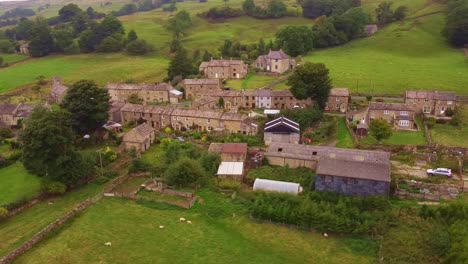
[136, 237]
[17, 184]
[409, 55]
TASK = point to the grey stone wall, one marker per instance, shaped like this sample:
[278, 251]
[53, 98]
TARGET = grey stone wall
[355, 187]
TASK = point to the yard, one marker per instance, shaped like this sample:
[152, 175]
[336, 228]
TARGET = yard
[343, 137]
[214, 237]
[449, 135]
[17, 184]
[12, 58]
[252, 81]
[400, 137]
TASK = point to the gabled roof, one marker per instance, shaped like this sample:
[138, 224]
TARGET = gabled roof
[264, 93]
[354, 169]
[150, 109]
[115, 106]
[339, 92]
[24, 110]
[277, 54]
[139, 134]
[137, 87]
[232, 116]
[196, 113]
[389, 106]
[7, 109]
[57, 87]
[431, 95]
[222, 63]
[282, 125]
[234, 148]
[202, 81]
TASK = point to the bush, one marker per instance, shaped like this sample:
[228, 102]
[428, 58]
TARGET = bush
[454, 122]
[184, 172]
[101, 180]
[139, 165]
[6, 133]
[222, 13]
[3, 212]
[110, 44]
[139, 47]
[53, 187]
[449, 112]
[229, 184]
[430, 122]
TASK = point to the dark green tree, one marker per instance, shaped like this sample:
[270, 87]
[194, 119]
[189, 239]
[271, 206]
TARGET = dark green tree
[87, 41]
[456, 25]
[63, 39]
[384, 13]
[325, 33]
[69, 12]
[180, 65]
[262, 50]
[132, 35]
[23, 29]
[41, 40]
[400, 13]
[175, 45]
[276, 9]
[352, 22]
[207, 56]
[80, 23]
[295, 40]
[110, 44]
[179, 24]
[380, 129]
[90, 12]
[109, 26]
[221, 102]
[88, 105]
[139, 47]
[184, 172]
[311, 80]
[249, 7]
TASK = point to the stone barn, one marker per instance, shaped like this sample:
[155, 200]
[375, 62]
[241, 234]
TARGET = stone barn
[281, 130]
[234, 152]
[140, 138]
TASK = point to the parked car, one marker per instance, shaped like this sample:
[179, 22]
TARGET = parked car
[439, 172]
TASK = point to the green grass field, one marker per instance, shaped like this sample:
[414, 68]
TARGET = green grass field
[251, 81]
[12, 58]
[343, 137]
[17, 184]
[401, 137]
[409, 55]
[17, 230]
[133, 229]
[448, 135]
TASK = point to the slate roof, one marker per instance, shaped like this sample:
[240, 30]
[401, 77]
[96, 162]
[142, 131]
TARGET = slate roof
[202, 81]
[277, 55]
[222, 63]
[234, 148]
[24, 110]
[389, 106]
[116, 106]
[431, 95]
[232, 116]
[144, 87]
[284, 93]
[196, 113]
[264, 93]
[150, 109]
[138, 134]
[339, 92]
[57, 87]
[354, 169]
[282, 125]
[7, 109]
[225, 93]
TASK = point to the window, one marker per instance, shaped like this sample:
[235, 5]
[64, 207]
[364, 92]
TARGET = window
[425, 100]
[404, 123]
[208, 120]
[174, 118]
[404, 113]
[449, 102]
[186, 119]
[276, 67]
[151, 115]
[276, 60]
[427, 109]
[314, 153]
[386, 112]
[258, 64]
[280, 149]
[337, 99]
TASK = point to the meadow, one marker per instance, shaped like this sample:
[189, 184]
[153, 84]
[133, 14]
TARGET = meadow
[449, 135]
[17, 184]
[216, 236]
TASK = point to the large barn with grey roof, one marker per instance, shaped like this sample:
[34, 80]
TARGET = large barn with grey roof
[281, 130]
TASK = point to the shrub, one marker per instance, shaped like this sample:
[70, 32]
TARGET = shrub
[184, 172]
[3, 212]
[222, 13]
[139, 165]
[430, 122]
[101, 180]
[454, 122]
[229, 184]
[441, 121]
[449, 112]
[139, 47]
[6, 133]
[53, 187]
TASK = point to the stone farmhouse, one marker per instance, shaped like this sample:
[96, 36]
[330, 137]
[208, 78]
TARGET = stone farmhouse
[224, 69]
[13, 114]
[149, 93]
[430, 102]
[275, 61]
[346, 171]
[114, 111]
[233, 152]
[400, 116]
[58, 91]
[207, 120]
[338, 100]
[196, 87]
[281, 130]
[140, 138]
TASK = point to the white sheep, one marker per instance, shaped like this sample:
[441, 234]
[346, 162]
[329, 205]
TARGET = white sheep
[182, 219]
[325, 234]
[161, 227]
[189, 222]
[108, 244]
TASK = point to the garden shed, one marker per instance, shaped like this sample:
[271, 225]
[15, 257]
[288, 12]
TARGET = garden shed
[277, 186]
[231, 170]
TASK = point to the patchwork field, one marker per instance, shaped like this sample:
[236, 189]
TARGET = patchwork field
[214, 237]
[17, 184]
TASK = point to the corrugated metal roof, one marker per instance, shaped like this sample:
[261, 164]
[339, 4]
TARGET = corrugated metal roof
[231, 168]
[276, 186]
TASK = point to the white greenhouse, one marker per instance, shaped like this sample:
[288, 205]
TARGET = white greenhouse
[277, 186]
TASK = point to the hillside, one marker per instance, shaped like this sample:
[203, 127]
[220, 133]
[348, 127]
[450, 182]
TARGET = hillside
[412, 54]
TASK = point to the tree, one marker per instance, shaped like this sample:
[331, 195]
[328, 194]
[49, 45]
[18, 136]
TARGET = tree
[295, 40]
[221, 102]
[87, 41]
[311, 80]
[400, 13]
[261, 47]
[184, 172]
[380, 129]
[63, 39]
[88, 105]
[180, 65]
[207, 56]
[109, 26]
[68, 12]
[23, 29]
[1, 61]
[179, 24]
[132, 35]
[80, 23]
[456, 25]
[90, 12]
[139, 47]
[325, 33]
[48, 147]
[112, 43]
[249, 7]
[41, 41]
[352, 22]
[175, 45]
[384, 13]
[276, 9]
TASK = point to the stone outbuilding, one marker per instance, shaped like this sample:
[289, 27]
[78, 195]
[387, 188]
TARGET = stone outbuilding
[230, 151]
[275, 61]
[140, 138]
[281, 130]
[58, 91]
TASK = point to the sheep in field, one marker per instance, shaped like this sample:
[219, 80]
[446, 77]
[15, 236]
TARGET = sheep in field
[181, 219]
[108, 244]
[189, 222]
[161, 227]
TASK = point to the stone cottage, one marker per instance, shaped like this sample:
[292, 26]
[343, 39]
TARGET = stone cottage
[58, 91]
[140, 138]
[400, 116]
[148, 93]
[338, 100]
[275, 61]
[430, 102]
[197, 87]
[224, 69]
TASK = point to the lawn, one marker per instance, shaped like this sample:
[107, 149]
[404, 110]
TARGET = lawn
[101, 68]
[214, 237]
[343, 137]
[448, 135]
[401, 56]
[17, 184]
[251, 81]
[12, 58]
[16, 230]
[400, 137]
